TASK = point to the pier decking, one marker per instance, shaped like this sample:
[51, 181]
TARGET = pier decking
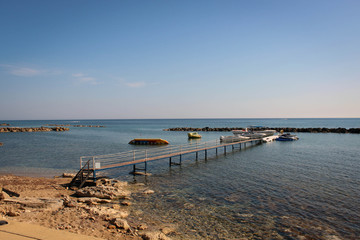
[92, 164]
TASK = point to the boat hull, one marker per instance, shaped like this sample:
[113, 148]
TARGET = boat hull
[148, 141]
[230, 139]
[194, 135]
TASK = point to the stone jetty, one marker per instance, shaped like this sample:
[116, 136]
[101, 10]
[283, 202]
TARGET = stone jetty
[285, 129]
[32, 129]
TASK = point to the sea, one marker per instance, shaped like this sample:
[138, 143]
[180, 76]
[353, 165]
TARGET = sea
[305, 189]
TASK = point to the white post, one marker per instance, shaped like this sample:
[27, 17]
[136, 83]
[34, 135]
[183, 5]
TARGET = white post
[80, 162]
[134, 155]
[93, 160]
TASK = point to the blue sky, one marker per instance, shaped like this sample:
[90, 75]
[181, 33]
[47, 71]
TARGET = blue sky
[179, 59]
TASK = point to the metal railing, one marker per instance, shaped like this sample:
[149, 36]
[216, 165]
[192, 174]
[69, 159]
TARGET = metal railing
[101, 161]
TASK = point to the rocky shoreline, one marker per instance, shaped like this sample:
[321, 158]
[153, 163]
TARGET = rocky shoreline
[278, 129]
[32, 129]
[101, 211]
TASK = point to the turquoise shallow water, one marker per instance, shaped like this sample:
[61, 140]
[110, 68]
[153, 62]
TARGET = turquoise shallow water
[308, 189]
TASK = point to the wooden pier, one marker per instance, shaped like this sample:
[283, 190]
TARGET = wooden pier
[89, 165]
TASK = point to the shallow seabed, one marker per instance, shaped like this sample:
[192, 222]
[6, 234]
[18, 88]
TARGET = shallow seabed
[281, 190]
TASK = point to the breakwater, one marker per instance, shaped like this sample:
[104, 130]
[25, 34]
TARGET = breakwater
[285, 129]
[32, 129]
[69, 125]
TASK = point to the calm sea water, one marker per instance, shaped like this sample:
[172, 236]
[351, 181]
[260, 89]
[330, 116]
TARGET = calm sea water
[307, 189]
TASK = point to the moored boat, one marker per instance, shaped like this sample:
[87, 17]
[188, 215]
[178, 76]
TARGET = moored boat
[287, 137]
[194, 135]
[148, 141]
[249, 134]
[230, 139]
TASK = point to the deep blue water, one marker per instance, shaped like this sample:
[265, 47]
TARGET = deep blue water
[307, 189]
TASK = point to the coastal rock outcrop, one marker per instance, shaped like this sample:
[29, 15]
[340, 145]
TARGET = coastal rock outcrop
[103, 192]
[32, 129]
[50, 204]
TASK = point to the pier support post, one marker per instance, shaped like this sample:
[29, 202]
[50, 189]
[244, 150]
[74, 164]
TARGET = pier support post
[205, 154]
[216, 151]
[197, 155]
[170, 162]
[224, 150]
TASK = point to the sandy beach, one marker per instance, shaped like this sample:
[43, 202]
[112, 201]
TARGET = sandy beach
[42, 207]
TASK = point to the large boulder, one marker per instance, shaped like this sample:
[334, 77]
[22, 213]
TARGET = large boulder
[121, 223]
[104, 192]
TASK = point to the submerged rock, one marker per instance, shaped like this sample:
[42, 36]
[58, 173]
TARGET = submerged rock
[149, 191]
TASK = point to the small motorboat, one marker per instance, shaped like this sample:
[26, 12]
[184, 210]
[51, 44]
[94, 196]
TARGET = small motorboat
[230, 139]
[249, 134]
[148, 141]
[194, 135]
[287, 137]
[256, 131]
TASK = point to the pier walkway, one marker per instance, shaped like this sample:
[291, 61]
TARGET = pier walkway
[93, 164]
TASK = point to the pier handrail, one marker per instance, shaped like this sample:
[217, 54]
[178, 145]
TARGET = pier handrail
[100, 162]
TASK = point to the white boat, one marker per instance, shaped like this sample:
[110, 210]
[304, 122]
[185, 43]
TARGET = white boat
[270, 138]
[230, 139]
[267, 133]
[249, 134]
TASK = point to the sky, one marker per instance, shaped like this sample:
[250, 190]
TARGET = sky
[138, 59]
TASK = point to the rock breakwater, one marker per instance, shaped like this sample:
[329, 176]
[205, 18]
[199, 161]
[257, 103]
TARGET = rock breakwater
[285, 129]
[32, 129]
[69, 125]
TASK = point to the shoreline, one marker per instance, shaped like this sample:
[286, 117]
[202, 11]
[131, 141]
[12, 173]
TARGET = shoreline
[102, 211]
